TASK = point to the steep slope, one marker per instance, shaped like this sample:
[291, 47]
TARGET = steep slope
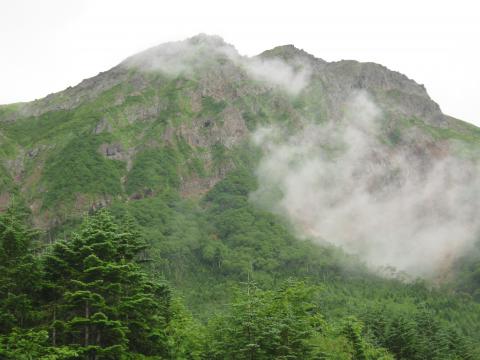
[175, 119]
[184, 106]
[179, 137]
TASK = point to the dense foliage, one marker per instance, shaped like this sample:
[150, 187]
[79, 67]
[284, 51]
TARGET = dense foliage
[255, 291]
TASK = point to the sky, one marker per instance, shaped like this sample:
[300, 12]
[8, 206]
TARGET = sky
[49, 45]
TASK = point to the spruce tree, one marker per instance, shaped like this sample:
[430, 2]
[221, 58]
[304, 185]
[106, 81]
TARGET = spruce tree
[20, 278]
[103, 303]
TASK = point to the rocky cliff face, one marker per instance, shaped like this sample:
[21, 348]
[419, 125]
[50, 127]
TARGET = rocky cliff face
[179, 116]
[222, 73]
[394, 92]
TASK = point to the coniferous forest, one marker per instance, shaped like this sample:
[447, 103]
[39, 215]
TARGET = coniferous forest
[97, 293]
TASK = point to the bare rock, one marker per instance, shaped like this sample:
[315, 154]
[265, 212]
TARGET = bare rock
[102, 126]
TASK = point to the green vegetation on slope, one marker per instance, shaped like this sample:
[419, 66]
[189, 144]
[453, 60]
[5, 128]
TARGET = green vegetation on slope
[154, 169]
[205, 250]
[88, 298]
[81, 169]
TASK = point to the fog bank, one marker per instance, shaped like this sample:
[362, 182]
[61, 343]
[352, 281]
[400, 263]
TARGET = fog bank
[340, 183]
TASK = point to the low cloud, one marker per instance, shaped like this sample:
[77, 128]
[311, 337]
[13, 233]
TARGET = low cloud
[340, 183]
[291, 77]
[182, 57]
[189, 56]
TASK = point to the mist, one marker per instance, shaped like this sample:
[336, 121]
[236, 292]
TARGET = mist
[189, 56]
[339, 183]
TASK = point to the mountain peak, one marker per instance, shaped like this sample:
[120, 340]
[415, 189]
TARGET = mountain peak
[288, 52]
[202, 38]
[174, 57]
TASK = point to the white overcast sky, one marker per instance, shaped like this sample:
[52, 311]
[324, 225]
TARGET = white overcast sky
[48, 45]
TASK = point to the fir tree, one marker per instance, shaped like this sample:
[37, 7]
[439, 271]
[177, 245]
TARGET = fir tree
[20, 278]
[104, 303]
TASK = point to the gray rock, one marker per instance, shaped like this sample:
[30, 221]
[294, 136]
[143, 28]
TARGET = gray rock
[102, 126]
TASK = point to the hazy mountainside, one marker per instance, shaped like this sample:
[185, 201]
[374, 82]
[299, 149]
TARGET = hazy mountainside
[178, 117]
[267, 168]
[190, 104]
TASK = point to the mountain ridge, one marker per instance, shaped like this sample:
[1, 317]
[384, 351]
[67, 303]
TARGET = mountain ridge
[202, 93]
[107, 79]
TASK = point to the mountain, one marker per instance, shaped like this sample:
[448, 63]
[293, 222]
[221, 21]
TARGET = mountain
[270, 167]
[190, 103]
